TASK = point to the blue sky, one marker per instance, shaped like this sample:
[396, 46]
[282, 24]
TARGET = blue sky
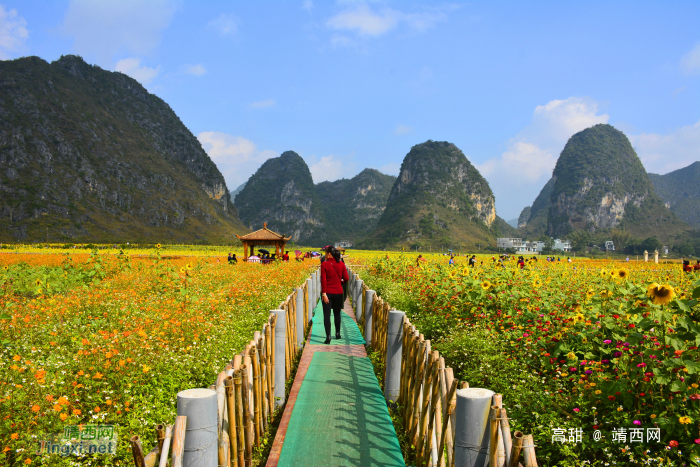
[354, 84]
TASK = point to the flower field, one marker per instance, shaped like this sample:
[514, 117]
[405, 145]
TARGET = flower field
[111, 339]
[573, 347]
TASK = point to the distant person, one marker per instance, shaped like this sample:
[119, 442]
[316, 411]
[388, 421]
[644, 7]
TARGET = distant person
[418, 260]
[286, 256]
[472, 261]
[628, 259]
[451, 262]
[230, 258]
[686, 266]
[521, 262]
[568, 258]
[696, 268]
[333, 273]
[233, 259]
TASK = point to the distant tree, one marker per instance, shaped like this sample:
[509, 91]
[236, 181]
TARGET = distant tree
[650, 244]
[579, 240]
[620, 239]
[686, 249]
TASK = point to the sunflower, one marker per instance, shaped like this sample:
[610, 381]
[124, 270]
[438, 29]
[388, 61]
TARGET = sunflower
[537, 283]
[604, 273]
[577, 308]
[660, 294]
[158, 245]
[590, 294]
[486, 285]
[606, 293]
[621, 274]
[189, 266]
[38, 282]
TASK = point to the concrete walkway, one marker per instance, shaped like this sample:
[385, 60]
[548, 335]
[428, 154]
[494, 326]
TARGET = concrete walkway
[336, 414]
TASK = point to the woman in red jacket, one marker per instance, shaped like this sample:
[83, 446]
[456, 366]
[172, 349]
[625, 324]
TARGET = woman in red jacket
[333, 272]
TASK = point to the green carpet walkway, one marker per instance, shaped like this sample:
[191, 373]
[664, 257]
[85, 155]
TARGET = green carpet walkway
[336, 414]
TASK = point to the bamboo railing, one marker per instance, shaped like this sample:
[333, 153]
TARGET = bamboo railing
[245, 395]
[428, 396]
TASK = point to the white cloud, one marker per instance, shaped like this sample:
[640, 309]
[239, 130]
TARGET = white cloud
[340, 40]
[365, 21]
[402, 129]
[328, 168]
[236, 157]
[13, 32]
[307, 5]
[225, 24]
[262, 104]
[664, 153]
[133, 68]
[690, 63]
[103, 29]
[518, 174]
[197, 70]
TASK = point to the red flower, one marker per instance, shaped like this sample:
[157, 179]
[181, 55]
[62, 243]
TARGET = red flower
[612, 398]
[673, 443]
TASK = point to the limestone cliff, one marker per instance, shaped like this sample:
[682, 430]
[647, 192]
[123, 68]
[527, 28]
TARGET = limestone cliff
[282, 193]
[353, 207]
[439, 197]
[600, 183]
[88, 155]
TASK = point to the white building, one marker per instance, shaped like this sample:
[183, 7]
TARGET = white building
[563, 245]
[516, 244]
[535, 247]
[609, 245]
[344, 244]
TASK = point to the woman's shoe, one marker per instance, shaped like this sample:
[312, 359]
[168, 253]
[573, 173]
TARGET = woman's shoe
[337, 335]
[328, 340]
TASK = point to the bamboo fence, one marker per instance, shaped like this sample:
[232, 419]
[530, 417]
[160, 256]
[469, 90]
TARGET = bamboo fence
[428, 396]
[245, 397]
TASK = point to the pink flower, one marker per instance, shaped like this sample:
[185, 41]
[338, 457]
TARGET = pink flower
[577, 409]
[697, 441]
[637, 422]
[607, 341]
[641, 365]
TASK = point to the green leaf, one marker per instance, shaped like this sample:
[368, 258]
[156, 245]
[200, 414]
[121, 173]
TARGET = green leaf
[4, 316]
[693, 367]
[696, 292]
[677, 386]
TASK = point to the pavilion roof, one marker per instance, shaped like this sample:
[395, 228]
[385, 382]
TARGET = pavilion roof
[264, 234]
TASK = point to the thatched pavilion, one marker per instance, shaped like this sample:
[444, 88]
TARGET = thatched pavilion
[264, 237]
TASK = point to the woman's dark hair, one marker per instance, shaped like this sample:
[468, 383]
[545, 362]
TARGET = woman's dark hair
[335, 253]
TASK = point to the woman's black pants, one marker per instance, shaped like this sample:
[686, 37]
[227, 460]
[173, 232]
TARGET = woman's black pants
[335, 302]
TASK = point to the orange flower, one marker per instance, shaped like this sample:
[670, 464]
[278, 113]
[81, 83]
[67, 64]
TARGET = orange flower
[14, 436]
[49, 398]
[36, 408]
[76, 412]
[41, 374]
[98, 375]
[57, 407]
[97, 409]
[109, 402]
[122, 362]
[16, 358]
[62, 400]
[81, 373]
[85, 342]
[63, 416]
[27, 461]
[108, 355]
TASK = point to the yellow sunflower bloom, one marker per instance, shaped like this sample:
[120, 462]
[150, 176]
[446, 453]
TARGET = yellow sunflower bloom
[486, 285]
[621, 274]
[661, 294]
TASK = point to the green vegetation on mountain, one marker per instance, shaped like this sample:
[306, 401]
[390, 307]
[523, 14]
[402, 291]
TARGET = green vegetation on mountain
[680, 191]
[439, 199]
[88, 155]
[353, 207]
[532, 222]
[282, 193]
[503, 228]
[235, 192]
[600, 183]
